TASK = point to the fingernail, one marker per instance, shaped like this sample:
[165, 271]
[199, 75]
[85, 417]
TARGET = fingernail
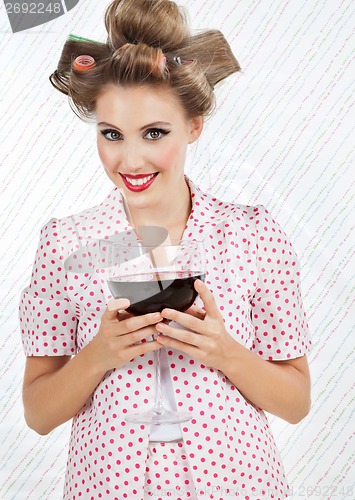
[157, 316]
[117, 304]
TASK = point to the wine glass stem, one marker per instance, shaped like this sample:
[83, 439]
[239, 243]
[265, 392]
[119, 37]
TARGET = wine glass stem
[158, 406]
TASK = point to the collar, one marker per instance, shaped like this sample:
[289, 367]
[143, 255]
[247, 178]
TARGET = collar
[108, 219]
[206, 211]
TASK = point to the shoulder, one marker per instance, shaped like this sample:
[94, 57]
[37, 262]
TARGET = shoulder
[256, 218]
[253, 223]
[93, 213]
[87, 223]
[243, 216]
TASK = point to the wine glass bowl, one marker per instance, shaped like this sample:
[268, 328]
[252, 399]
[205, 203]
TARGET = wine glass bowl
[172, 290]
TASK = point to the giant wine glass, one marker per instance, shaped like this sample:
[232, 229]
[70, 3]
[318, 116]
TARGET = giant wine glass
[154, 277]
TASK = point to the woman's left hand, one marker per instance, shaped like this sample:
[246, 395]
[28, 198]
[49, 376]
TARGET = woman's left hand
[209, 342]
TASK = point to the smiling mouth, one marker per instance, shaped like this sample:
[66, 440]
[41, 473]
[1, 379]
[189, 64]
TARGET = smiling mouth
[139, 184]
[139, 181]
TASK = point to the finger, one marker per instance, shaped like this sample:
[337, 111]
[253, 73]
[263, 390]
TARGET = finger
[142, 335]
[116, 304]
[208, 299]
[195, 311]
[137, 350]
[123, 314]
[186, 336]
[113, 307]
[137, 322]
[189, 349]
[190, 321]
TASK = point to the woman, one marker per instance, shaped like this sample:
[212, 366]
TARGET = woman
[239, 350]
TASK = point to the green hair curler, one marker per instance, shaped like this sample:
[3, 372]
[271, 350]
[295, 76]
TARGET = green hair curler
[82, 39]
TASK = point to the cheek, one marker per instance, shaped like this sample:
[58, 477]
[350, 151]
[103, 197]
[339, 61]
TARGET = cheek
[170, 155]
[104, 155]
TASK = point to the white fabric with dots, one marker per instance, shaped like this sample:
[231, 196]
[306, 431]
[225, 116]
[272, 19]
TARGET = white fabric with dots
[253, 272]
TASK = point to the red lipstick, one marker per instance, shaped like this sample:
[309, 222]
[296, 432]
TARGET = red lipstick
[143, 187]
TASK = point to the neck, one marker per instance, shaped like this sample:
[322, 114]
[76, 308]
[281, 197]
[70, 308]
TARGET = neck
[172, 215]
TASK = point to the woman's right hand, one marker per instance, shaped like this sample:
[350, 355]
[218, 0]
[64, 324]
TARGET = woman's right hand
[114, 344]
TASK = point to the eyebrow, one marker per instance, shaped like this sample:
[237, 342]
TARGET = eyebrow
[155, 124]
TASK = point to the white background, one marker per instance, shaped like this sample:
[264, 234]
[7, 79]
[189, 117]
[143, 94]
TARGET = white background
[281, 136]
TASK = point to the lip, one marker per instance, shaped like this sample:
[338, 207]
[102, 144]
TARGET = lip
[139, 176]
[137, 189]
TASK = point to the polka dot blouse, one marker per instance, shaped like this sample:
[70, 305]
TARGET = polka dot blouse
[253, 272]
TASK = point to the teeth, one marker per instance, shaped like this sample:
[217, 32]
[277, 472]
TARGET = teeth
[139, 182]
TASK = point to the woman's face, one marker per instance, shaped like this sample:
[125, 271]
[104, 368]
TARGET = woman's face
[143, 131]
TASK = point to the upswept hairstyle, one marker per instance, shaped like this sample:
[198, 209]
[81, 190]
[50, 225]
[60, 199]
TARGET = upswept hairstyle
[140, 34]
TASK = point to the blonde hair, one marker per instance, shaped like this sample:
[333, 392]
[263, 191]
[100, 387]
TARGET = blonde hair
[149, 43]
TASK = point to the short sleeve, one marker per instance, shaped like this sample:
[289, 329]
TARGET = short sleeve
[48, 324]
[278, 315]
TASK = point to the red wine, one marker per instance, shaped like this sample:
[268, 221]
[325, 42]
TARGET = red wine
[173, 290]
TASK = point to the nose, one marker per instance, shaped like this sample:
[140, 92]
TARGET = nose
[132, 160]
